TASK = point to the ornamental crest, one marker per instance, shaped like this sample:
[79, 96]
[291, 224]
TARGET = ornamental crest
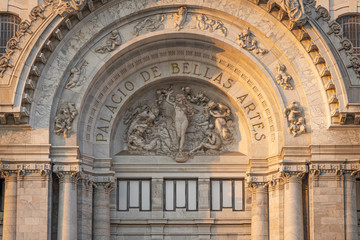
[179, 123]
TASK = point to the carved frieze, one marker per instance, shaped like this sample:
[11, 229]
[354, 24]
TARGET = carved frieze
[296, 123]
[112, 43]
[283, 78]
[64, 118]
[203, 22]
[180, 18]
[150, 24]
[77, 76]
[246, 40]
[180, 123]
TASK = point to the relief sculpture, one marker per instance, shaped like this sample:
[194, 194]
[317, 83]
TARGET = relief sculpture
[76, 76]
[64, 118]
[150, 24]
[206, 23]
[283, 78]
[180, 123]
[111, 43]
[246, 40]
[295, 121]
[180, 18]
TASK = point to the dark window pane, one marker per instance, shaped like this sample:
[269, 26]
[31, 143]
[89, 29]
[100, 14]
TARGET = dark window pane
[351, 28]
[8, 27]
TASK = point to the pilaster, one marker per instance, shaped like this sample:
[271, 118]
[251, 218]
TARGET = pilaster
[102, 188]
[85, 206]
[259, 212]
[26, 210]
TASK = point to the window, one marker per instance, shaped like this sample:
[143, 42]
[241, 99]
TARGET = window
[8, 27]
[180, 193]
[134, 194]
[227, 193]
[351, 28]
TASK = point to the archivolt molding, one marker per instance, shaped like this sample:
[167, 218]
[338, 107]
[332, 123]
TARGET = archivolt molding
[21, 113]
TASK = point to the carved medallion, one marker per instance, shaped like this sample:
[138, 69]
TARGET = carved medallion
[179, 123]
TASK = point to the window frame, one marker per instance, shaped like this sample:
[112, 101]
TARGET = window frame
[345, 20]
[186, 194]
[16, 20]
[232, 194]
[140, 180]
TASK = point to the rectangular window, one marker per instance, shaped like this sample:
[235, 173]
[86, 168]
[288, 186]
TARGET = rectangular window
[180, 193]
[134, 193]
[227, 193]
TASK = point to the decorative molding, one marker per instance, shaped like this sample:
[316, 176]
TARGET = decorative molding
[22, 170]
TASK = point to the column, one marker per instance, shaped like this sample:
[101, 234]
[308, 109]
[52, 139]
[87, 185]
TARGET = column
[85, 208]
[67, 223]
[9, 225]
[101, 226]
[351, 224]
[259, 213]
[276, 210]
[293, 213]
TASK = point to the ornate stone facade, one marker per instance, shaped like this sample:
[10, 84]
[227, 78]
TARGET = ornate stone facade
[182, 120]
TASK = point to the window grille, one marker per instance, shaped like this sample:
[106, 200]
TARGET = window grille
[351, 30]
[8, 27]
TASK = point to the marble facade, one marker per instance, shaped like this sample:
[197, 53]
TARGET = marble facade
[263, 92]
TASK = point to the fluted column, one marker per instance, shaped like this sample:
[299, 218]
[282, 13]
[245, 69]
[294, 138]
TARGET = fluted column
[259, 213]
[101, 226]
[9, 225]
[293, 212]
[67, 217]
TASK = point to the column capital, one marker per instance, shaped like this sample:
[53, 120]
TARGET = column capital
[107, 186]
[22, 170]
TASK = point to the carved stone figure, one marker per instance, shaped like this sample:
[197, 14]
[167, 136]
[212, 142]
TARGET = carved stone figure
[295, 121]
[64, 118]
[151, 24]
[37, 12]
[205, 23]
[246, 40]
[23, 28]
[4, 64]
[179, 123]
[136, 140]
[221, 113]
[294, 10]
[111, 43]
[180, 18]
[283, 78]
[211, 142]
[76, 76]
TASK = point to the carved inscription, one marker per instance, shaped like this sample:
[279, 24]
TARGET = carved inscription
[172, 98]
